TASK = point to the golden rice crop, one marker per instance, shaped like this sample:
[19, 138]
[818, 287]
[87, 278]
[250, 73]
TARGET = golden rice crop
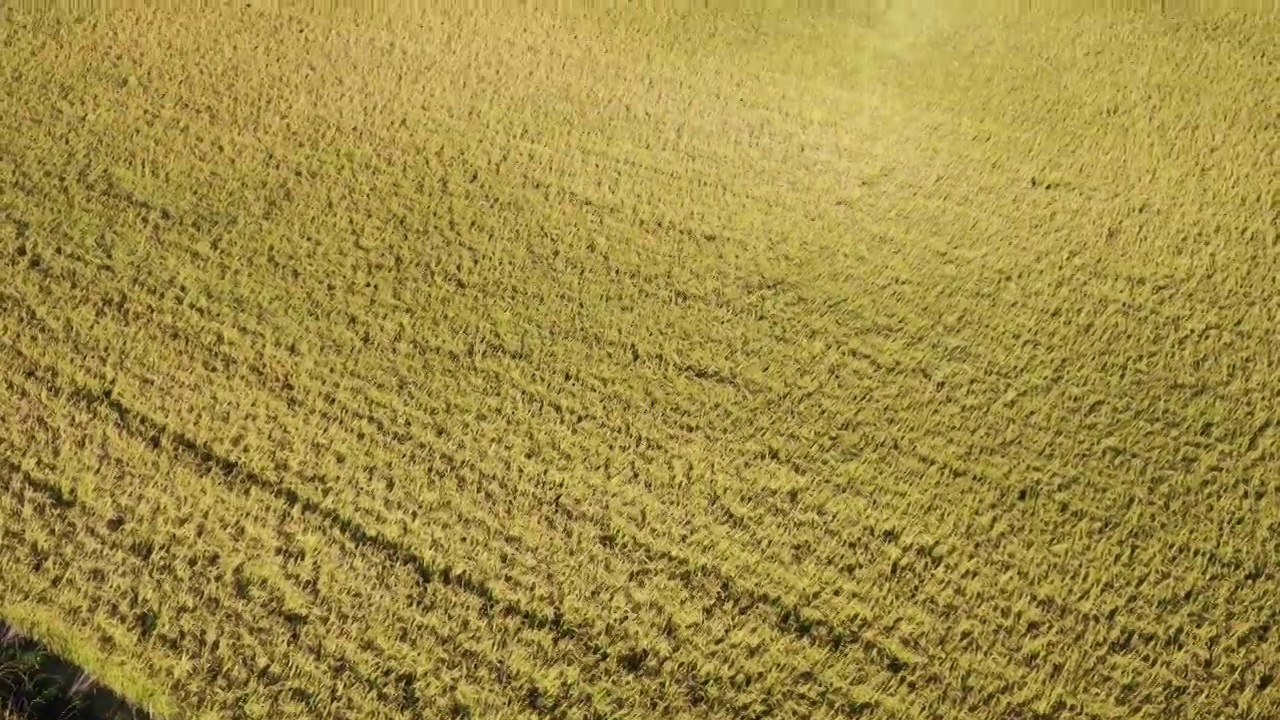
[903, 361]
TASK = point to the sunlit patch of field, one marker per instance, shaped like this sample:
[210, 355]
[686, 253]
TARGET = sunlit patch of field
[720, 364]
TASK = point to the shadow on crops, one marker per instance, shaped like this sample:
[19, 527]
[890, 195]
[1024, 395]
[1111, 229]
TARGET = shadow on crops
[36, 684]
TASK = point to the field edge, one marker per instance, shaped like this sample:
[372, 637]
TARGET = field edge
[46, 673]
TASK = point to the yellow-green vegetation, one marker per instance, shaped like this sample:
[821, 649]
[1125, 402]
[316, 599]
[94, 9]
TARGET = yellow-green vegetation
[910, 363]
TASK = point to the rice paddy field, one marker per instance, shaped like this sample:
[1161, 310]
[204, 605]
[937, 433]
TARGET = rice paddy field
[890, 361]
